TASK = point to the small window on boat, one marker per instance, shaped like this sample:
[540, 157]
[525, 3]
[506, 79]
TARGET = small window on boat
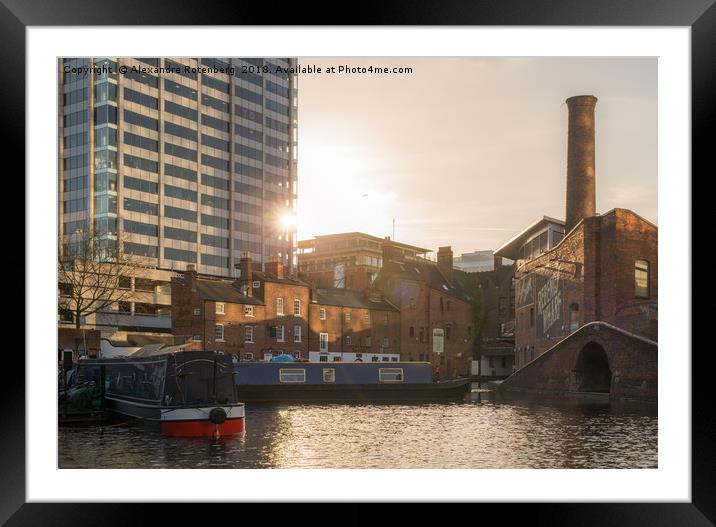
[337, 359]
[390, 374]
[394, 359]
[323, 358]
[329, 375]
[292, 375]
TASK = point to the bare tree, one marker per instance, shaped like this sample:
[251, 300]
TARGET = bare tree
[90, 272]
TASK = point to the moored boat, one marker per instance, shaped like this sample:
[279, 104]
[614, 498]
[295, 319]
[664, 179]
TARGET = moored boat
[185, 393]
[344, 381]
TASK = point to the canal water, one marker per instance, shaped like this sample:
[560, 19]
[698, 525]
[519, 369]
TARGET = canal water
[482, 432]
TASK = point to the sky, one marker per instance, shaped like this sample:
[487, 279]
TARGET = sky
[466, 152]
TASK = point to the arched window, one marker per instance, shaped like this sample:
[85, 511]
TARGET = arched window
[573, 317]
[641, 279]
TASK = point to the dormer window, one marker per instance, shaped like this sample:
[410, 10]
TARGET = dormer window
[256, 284]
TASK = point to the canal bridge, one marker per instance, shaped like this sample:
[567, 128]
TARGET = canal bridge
[598, 358]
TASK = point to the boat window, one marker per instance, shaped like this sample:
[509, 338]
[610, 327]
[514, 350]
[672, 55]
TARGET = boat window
[329, 375]
[390, 374]
[292, 375]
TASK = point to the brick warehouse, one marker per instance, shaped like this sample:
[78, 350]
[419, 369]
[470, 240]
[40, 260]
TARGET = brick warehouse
[436, 303]
[605, 269]
[601, 274]
[266, 313]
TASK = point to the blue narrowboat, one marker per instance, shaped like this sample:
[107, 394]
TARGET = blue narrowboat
[344, 381]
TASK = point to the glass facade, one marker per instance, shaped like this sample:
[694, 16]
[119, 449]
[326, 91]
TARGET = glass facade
[199, 164]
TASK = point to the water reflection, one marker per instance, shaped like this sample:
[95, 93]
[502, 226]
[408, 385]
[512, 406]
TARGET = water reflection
[484, 432]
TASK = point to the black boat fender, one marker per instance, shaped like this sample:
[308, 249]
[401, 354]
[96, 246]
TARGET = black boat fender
[217, 416]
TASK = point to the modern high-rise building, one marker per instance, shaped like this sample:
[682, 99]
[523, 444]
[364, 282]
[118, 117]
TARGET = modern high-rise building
[181, 161]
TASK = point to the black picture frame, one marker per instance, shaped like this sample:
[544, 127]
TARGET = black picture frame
[699, 15]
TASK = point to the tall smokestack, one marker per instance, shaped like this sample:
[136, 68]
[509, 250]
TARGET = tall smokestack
[581, 200]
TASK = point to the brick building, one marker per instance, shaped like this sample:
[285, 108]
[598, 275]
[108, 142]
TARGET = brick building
[436, 308]
[495, 291]
[261, 313]
[605, 269]
[349, 260]
[265, 313]
[352, 324]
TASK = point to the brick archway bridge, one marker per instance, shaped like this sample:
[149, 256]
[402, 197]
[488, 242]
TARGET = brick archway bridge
[597, 358]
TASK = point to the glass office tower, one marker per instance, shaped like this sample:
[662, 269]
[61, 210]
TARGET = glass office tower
[181, 160]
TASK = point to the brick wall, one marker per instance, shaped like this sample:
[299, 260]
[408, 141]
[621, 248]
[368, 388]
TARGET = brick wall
[589, 276]
[632, 363]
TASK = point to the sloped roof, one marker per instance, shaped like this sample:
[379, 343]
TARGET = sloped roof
[221, 291]
[270, 277]
[429, 273]
[345, 298]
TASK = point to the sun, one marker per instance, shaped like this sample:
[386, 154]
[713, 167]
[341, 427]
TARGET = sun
[289, 221]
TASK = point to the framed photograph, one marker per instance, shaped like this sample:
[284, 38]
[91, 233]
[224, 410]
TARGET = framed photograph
[425, 251]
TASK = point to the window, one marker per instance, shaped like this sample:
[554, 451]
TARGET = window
[386, 342]
[279, 333]
[366, 317]
[329, 375]
[219, 332]
[249, 311]
[442, 308]
[297, 308]
[297, 333]
[368, 341]
[197, 312]
[220, 308]
[641, 279]
[249, 334]
[349, 340]
[248, 356]
[385, 320]
[279, 306]
[323, 358]
[337, 358]
[390, 374]
[447, 332]
[412, 332]
[448, 305]
[532, 317]
[322, 313]
[573, 317]
[323, 342]
[292, 375]
[196, 338]
[256, 284]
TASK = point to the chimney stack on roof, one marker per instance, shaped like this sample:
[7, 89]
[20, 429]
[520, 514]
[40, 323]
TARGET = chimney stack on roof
[190, 277]
[245, 273]
[445, 262]
[275, 267]
[390, 251]
[581, 194]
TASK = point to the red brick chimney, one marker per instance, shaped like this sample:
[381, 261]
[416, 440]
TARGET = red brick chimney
[581, 196]
[245, 274]
[390, 251]
[275, 267]
[445, 262]
[190, 277]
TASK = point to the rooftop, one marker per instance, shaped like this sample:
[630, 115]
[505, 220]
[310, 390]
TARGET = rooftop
[349, 235]
[511, 248]
[345, 298]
